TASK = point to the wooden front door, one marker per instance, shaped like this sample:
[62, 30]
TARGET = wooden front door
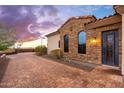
[110, 48]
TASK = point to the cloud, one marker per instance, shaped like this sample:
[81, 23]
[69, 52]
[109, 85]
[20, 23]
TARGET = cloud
[13, 15]
[36, 20]
[50, 10]
[48, 24]
[1, 11]
[23, 11]
[24, 17]
[47, 18]
[90, 9]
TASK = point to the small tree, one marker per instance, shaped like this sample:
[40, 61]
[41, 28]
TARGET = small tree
[7, 37]
[41, 50]
[57, 53]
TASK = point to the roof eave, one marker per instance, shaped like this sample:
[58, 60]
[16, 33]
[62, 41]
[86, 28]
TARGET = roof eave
[51, 34]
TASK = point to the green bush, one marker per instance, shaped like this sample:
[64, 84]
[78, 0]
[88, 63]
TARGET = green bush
[41, 50]
[66, 59]
[7, 37]
[57, 53]
[8, 51]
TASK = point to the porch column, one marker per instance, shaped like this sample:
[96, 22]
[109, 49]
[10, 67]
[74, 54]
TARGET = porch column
[122, 46]
[120, 10]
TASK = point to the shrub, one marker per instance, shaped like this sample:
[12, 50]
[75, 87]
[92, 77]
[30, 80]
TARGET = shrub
[8, 51]
[57, 53]
[66, 59]
[41, 50]
[7, 37]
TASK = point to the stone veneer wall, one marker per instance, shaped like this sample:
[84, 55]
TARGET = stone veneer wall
[93, 52]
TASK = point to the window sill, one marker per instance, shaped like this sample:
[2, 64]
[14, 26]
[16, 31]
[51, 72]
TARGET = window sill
[81, 54]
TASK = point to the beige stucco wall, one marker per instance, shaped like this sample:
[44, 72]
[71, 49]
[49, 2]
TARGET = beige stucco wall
[53, 42]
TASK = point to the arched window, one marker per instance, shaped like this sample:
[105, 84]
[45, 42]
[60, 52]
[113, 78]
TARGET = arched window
[82, 42]
[66, 43]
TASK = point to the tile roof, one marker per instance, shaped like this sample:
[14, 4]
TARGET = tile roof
[100, 19]
[72, 18]
[112, 19]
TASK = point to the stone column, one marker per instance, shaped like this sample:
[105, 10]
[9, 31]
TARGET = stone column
[122, 45]
[120, 10]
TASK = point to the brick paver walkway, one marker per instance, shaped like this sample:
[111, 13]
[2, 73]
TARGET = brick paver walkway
[29, 70]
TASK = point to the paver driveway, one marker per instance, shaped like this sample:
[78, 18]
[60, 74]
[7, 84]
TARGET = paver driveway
[29, 70]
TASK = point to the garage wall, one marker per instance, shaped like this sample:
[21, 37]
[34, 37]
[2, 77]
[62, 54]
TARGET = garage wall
[53, 42]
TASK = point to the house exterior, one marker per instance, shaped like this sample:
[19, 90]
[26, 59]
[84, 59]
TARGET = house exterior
[53, 40]
[89, 40]
[31, 43]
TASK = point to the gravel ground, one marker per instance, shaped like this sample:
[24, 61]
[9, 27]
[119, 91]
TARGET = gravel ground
[30, 71]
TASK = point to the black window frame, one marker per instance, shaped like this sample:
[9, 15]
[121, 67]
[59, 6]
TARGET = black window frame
[81, 47]
[66, 43]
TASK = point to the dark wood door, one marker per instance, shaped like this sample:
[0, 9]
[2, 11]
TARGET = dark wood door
[110, 48]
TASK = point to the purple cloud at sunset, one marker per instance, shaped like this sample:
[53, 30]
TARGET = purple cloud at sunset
[32, 22]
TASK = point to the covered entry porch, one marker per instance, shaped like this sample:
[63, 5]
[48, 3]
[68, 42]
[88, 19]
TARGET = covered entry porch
[120, 10]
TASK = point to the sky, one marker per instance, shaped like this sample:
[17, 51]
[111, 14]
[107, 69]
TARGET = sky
[32, 22]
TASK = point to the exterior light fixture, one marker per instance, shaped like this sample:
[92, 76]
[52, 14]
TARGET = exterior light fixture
[93, 41]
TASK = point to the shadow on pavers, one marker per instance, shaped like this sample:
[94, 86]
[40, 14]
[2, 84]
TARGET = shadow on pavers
[3, 67]
[88, 67]
[84, 66]
[112, 71]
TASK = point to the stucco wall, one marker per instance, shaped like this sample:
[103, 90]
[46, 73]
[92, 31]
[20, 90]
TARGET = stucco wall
[53, 42]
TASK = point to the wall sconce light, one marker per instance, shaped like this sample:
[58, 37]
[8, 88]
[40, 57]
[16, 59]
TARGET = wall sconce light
[93, 41]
